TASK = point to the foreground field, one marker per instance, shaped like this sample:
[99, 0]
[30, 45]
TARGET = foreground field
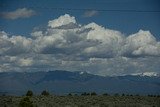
[80, 101]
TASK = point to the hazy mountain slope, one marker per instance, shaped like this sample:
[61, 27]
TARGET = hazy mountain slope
[62, 82]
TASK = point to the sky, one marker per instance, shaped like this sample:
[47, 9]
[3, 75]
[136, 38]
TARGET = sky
[103, 37]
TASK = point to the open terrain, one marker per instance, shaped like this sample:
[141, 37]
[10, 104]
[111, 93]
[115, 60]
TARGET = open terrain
[81, 101]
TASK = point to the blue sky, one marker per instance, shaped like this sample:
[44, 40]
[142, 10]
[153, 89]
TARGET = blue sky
[114, 37]
[126, 22]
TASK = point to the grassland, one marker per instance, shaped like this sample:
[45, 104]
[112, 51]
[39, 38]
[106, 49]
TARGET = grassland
[80, 101]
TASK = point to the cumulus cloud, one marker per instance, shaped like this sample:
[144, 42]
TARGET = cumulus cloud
[68, 45]
[19, 13]
[114, 66]
[142, 43]
[90, 13]
[62, 20]
[25, 62]
[14, 45]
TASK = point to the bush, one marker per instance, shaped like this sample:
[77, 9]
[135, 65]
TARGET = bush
[158, 95]
[85, 94]
[88, 94]
[75, 94]
[25, 102]
[69, 94]
[93, 93]
[123, 94]
[29, 93]
[116, 94]
[45, 93]
[105, 94]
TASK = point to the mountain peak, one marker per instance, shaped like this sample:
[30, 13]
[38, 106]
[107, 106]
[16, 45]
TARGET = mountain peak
[149, 74]
[81, 73]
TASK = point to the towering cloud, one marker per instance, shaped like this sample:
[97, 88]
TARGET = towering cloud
[62, 20]
[14, 45]
[143, 43]
[65, 44]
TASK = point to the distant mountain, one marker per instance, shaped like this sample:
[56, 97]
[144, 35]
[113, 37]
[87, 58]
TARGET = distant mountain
[150, 74]
[63, 82]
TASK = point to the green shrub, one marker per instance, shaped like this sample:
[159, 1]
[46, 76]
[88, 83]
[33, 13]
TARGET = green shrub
[88, 94]
[29, 93]
[123, 94]
[116, 94]
[25, 102]
[93, 93]
[105, 94]
[69, 94]
[85, 94]
[45, 93]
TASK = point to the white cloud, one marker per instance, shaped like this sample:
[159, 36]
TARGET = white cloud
[90, 13]
[14, 45]
[25, 62]
[19, 13]
[141, 43]
[147, 50]
[110, 41]
[113, 66]
[67, 45]
[37, 34]
[62, 20]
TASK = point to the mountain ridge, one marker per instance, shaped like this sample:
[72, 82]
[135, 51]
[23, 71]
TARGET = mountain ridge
[61, 82]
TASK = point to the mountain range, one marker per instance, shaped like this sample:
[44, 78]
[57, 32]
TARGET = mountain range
[64, 82]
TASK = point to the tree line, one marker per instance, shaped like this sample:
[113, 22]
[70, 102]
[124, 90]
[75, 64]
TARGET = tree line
[26, 100]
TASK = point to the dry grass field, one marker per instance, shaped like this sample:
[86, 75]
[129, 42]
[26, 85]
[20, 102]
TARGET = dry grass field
[79, 101]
